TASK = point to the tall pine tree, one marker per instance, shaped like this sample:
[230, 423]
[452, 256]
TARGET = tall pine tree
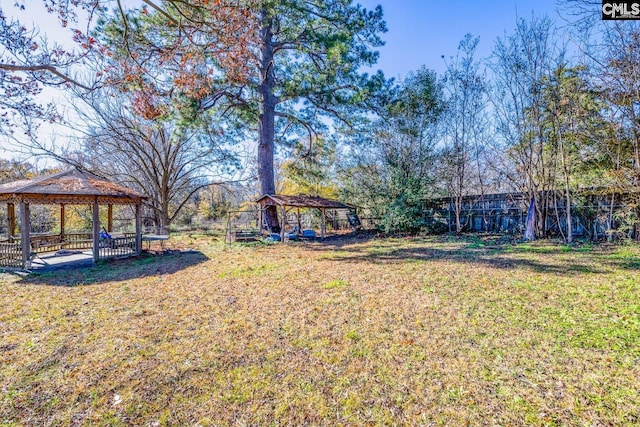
[286, 68]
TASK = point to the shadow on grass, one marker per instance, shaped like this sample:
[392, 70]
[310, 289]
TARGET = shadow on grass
[492, 251]
[145, 265]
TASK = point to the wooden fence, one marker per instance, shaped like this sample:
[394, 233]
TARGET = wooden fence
[592, 215]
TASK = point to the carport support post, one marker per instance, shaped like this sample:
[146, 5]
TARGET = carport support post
[11, 217]
[284, 222]
[25, 230]
[96, 231]
[324, 224]
[138, 229]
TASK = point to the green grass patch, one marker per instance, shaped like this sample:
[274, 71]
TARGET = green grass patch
[336, 284]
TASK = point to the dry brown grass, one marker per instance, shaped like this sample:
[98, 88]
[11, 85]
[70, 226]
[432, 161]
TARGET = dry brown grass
[433, 331]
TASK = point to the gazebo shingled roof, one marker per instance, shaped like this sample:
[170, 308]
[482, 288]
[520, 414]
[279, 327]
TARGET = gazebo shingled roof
[70, 186]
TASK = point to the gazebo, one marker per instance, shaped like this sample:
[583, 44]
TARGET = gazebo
[286, 202]
[71, 187]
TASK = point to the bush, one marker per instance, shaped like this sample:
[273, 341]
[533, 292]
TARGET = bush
[403, 215]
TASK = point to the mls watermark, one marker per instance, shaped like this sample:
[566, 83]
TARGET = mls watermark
[622, 10]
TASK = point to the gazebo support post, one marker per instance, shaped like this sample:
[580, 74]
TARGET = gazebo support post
[138, 228]
[324, 224]
[11, 217]
[96, 231]
[110, 218]
[25, 231]
[62, 222]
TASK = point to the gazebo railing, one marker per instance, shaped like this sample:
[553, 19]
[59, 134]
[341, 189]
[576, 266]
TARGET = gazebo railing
[118, 247]
[78, 241]
[54, 242]
[10, 255]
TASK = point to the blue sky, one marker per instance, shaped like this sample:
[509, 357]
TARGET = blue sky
[421, 31]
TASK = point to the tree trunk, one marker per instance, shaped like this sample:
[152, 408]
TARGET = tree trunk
[266, 121]
[610, 219]
[567, 189]
[165, 223]
[481, 182]
[636, 166]
[458, 212]
[460, 170]
[162, 217]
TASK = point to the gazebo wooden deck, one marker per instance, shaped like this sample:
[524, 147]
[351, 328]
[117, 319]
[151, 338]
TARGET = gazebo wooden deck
[71, 187]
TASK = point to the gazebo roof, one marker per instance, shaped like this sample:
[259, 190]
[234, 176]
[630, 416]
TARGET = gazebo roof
[70, 186]
[301, 202]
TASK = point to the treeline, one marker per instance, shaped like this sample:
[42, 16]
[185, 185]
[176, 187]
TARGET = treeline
[540, 116]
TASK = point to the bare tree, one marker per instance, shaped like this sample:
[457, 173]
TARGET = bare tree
[520, 63]
[572, 118]
[465, 126]
[165, 161]
[619, 81]
[612, 52]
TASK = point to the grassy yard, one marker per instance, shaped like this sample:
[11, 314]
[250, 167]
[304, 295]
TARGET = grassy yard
[415, 331]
